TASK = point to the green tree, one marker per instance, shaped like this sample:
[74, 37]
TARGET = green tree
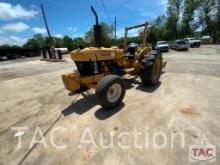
[40, 39]
[32, 43]
[207, 17]
[217, 18]
[36, 42]
[58, 42]
[15, 47]
[77, 42]
[174, 10]
[5, 46]
[188, 23]
[68, 42]
[47, 43]
[107, 35]
[158, 30]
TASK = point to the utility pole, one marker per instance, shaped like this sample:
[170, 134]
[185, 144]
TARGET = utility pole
[52, 47]
[115, 27]
[45, 21]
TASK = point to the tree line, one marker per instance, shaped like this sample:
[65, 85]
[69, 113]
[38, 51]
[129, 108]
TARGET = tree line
[183, 18]
[186, 18]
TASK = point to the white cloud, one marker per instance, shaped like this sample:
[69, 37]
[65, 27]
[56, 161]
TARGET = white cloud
[14, 27]
[120, 33]
[9, 12]
[73, 29]
[153, 13]
[12, 40]
[134, 32]
[59, 35]
[40, 30]
[163, 3]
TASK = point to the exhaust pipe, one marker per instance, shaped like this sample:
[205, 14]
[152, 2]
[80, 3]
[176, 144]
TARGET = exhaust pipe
[97, 30]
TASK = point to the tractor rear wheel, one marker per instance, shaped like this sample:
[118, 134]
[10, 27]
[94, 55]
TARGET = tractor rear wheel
[110, 91]
[151, 68]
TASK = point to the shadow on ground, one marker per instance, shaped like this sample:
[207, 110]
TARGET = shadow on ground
[133, 81]
[81, 105]
[88, 101]
[103, 114]
[149, 89]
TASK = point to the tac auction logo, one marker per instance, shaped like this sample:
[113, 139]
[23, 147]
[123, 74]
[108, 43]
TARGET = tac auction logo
[202, 153]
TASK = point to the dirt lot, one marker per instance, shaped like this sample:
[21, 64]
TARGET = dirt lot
[186, 101]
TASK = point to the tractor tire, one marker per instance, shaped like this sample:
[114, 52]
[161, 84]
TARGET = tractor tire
[110, 91]
[151, 68]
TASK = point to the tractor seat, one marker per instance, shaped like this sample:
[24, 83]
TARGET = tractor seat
[131, 52]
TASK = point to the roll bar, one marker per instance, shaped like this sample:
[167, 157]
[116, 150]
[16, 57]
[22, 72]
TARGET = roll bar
[135, 27]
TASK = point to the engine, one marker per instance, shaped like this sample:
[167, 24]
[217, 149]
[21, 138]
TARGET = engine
[91, 61]
[87, 68]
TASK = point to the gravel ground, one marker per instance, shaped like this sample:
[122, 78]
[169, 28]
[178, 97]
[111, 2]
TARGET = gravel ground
[186, 102]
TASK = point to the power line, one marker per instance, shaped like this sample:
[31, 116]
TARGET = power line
[106, 11]
[110, 20]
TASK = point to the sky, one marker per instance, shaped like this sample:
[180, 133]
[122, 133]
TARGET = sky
[21, 19]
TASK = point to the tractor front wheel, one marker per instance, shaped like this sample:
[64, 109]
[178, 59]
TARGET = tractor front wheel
[110, 91]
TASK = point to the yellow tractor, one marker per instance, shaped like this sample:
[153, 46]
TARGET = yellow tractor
[103, 68]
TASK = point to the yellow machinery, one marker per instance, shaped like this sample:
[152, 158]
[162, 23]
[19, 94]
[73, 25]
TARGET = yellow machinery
[102, 68]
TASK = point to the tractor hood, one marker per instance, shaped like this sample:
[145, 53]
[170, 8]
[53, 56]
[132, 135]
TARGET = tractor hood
[96, 54]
